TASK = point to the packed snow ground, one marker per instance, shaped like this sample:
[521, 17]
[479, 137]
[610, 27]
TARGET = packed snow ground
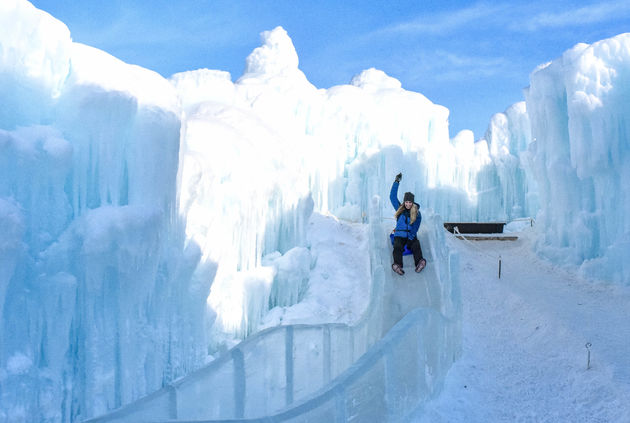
[524, 348]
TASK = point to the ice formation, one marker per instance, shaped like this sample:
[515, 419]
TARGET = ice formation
[94, 268]
[145, 220]
[580, 126]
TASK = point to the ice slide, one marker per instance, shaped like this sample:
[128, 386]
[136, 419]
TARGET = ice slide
[411, 290]
[382, 369]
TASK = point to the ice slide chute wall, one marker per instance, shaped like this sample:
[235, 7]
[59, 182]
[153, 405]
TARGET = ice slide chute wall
[329, 372]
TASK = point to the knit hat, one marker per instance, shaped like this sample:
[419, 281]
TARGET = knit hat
[408, 197]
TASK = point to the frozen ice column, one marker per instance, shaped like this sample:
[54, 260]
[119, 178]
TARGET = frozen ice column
[578, 110]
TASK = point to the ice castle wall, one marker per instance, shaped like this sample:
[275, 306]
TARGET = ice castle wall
[325, 132]
[260, 153]
[97, 301]
[579, 119]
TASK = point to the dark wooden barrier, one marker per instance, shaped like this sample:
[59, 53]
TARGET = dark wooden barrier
[475, 227]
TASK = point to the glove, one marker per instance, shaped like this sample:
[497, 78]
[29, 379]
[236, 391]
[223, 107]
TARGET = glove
[398, 177]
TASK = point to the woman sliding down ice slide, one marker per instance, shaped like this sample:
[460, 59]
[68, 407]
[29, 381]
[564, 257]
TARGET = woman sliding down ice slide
[408, 218]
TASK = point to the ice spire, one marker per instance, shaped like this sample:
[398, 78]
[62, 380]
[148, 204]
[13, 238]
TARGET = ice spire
[276, 55]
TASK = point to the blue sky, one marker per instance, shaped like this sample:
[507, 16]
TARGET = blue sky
[472, 57]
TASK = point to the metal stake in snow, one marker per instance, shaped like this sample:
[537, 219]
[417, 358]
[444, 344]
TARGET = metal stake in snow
[499, 266]
[588, 361]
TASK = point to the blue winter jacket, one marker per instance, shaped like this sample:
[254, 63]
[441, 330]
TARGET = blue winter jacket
[403, 228]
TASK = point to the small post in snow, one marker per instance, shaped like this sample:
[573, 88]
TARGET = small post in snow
[499, 266]
[588, 359]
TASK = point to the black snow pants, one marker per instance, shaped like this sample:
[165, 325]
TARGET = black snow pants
[399, 246]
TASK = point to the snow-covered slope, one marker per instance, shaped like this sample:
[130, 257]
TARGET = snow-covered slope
[524, 349]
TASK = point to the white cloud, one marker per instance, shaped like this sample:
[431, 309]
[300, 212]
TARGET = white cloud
[445, 66]
[445, 22]
[511, 16]
[590, 14]
[461, 67]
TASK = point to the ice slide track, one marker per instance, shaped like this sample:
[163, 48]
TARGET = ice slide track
[379, 370]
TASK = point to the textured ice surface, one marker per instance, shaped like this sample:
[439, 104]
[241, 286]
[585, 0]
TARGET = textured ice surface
[92, 250]
[580, 125]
